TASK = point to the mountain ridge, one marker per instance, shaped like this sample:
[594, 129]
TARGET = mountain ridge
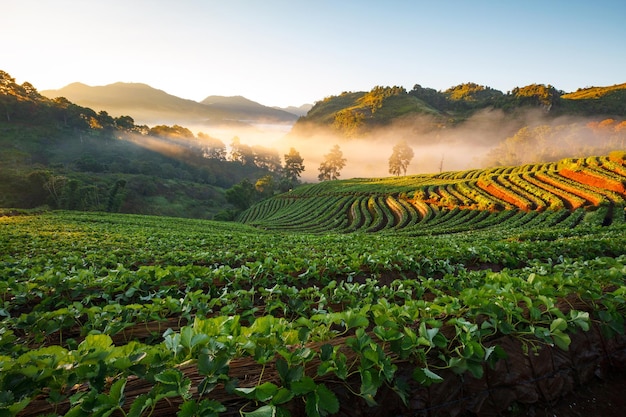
[149, 105]
[354, 114]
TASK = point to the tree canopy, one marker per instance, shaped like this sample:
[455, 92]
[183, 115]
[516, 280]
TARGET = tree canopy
[332, 165]
[400, 158]
[294, 166]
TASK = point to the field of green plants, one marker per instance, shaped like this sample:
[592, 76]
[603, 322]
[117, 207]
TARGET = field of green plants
[306, 311]
[560, 193]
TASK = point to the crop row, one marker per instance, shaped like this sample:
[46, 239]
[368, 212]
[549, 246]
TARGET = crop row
[120, 314]
[347, 206]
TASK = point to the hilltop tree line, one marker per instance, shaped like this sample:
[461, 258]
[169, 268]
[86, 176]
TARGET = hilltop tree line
[354, 114]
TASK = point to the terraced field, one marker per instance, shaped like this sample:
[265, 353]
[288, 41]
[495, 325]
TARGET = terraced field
[554, 193]
[484, 293]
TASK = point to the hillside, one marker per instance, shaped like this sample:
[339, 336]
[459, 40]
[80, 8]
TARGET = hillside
[61, 155]
[564, 193]
[354, 114]
[151, 106]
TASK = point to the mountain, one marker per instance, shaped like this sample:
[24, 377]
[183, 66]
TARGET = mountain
[298, 111]
[148, 105]
[242, 109]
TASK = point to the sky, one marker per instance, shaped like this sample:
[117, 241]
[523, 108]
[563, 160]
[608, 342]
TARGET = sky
[292, 52]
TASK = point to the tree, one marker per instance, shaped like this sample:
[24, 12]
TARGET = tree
[266, 158]
[293, 167]
[332, 164]
[212, 148]
[241, 195]
[265, 185]
[240, 152]
[400, 158]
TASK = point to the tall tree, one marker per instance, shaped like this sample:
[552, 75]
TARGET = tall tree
[212, 148]
[241, 152]
[332, 165]
[400, 158]
[293, 167]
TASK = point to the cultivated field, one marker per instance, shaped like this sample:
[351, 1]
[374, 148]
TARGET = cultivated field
[486, 292]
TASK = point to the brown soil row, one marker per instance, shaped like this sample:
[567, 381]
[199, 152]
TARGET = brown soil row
[588, 178]
[504, 194]
[548, 179]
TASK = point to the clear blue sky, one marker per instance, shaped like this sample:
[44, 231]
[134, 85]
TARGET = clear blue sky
[291, 52]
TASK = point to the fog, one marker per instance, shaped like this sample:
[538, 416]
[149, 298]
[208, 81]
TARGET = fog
[460, 147]
[435, 148]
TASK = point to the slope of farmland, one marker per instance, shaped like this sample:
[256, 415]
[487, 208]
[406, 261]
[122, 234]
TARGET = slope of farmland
[566, 192]
[447, 301]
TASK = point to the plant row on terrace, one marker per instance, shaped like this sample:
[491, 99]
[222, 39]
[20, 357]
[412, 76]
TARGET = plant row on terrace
[134, 315]
[440, 203]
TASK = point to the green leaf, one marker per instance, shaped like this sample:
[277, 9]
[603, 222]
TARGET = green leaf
[304, 386]
[426, 377]
[117, 392]
[282, 396]
[355, 319]
[209, 365]
[370, 382]
[283, 369]
[561, 339]
[475, 368]
[558, 324]
[311, 405]
[186, 333]
[265, 391]
[169, 377]
[580, 319]
[328, 402]
[326, 352]
[264, 411]
[140, 404]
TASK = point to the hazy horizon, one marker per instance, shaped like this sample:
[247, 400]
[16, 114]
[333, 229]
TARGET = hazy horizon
[281, 53]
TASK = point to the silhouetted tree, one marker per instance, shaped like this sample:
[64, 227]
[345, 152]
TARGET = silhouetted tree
[400, 158]
[240, 152]
[293, 167]
[332, 165]
[213, 148]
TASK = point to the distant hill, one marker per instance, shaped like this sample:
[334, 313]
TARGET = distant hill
[353, 114]
[298, 111]
[242, 109]
[148, 105]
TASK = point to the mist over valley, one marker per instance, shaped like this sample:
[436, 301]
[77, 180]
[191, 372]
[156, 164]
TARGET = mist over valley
[133, 148]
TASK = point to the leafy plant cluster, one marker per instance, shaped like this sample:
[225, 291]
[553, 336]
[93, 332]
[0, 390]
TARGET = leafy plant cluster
[96, 305]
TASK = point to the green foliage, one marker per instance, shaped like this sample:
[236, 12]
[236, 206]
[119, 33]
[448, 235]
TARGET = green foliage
[79, 287]
[64, 156]
[359, 113]
[294, 166]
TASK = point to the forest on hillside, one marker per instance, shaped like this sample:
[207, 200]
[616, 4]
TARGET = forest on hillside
[60, 155]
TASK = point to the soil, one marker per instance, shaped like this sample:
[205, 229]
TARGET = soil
[602, 397]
